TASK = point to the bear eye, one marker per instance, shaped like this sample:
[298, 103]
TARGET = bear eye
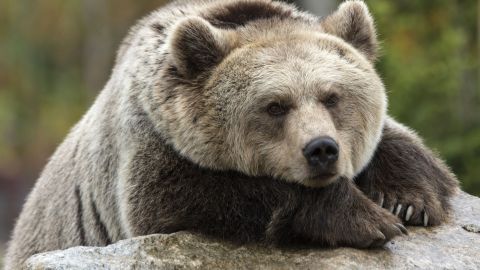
[331, 100]
[276, 109]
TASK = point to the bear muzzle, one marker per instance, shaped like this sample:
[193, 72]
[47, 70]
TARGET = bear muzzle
[321, 154]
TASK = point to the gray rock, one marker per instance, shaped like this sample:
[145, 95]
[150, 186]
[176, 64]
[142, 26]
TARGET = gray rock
[472, 228]
[451, 246]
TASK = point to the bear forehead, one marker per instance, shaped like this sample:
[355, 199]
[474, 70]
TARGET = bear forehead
[303, 53]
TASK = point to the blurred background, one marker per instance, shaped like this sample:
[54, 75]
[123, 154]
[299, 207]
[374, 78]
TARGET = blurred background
[56, 55]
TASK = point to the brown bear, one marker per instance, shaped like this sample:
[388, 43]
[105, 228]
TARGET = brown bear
[245, 120]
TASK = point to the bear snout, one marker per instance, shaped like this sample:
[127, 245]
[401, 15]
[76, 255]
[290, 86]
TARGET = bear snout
[321, 154]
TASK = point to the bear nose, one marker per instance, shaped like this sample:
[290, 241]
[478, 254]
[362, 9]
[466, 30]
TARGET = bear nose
[321, 152]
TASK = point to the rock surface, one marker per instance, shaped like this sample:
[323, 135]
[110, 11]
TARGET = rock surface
[452, 246]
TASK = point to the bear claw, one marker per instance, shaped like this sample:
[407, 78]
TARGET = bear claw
[405, 212]
[382, 200]
[402, 228]
[409, 213]
[425, 219]
[399, 208]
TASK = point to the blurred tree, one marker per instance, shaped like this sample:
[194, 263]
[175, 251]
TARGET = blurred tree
[430, 65]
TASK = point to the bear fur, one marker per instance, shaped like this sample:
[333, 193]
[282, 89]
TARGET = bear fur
[201, 128]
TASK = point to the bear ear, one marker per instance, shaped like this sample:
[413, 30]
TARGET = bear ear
[196, 46]
[353, 23]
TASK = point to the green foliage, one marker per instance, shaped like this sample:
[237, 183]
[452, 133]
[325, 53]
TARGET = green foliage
[430, 65]
[55, 57]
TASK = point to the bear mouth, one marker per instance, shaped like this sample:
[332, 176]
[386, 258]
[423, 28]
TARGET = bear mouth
[323, 176]
[321, 179]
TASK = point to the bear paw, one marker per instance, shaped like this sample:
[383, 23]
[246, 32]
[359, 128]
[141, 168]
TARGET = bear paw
[338, 215]
[417, 207]
[371, 228]
[407, 179]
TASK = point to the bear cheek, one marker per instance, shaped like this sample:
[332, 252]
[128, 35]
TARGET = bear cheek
[367, 133]
[259, 137]
[347, 155]
[276, 153]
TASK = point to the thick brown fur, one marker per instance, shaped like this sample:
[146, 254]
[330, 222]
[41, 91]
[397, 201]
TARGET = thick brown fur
[413, 177]
[180, 138]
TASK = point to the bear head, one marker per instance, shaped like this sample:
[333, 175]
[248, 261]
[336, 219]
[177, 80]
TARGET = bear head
[280, 96]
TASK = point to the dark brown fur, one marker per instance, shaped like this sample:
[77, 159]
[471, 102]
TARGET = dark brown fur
[240, 13]
[403, 172]
[230, 205]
